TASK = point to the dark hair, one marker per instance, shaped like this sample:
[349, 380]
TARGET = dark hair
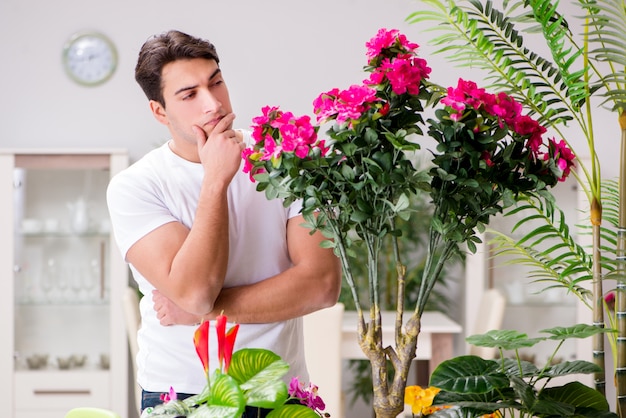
[162, 49]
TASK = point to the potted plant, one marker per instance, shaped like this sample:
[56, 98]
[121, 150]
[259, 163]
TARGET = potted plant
[358, 180]
[472, 387]
[246, 377]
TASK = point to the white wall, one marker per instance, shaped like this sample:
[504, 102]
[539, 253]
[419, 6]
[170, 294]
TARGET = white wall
[277, 52]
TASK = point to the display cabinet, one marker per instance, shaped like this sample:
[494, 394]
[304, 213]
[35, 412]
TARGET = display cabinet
[64, 343]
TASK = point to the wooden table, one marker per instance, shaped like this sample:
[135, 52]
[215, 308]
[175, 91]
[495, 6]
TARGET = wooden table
[435, 342]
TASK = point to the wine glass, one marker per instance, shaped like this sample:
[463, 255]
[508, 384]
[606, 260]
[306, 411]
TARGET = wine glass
[49, 278]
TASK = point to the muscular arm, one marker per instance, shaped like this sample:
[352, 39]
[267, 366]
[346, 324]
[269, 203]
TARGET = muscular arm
[312, 283]
[188, 265]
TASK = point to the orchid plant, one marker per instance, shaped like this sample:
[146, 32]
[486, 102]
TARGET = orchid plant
[355, 182]
[246, 377]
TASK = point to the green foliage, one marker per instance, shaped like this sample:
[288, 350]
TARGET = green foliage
[550, 249]
[292, 411]
[254, 378]
[558, 89]
[480, 35]
[475, 386]
[412, 245]
[486, 38]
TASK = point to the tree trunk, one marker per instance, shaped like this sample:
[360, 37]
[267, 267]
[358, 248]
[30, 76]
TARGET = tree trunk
[598, 295]
[388, 399]
[620, 304]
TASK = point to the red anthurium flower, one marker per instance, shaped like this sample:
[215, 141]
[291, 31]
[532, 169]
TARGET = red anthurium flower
[225, 341]
[229, 345]
[201, 341]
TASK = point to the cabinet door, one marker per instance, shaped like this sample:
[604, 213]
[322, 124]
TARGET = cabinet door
[62, 286]
[67, 335]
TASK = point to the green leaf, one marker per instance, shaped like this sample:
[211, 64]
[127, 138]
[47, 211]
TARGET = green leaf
[172, 409]
[469, 374]
[269, 395]
[251, 366]
[578, 395]
[504, 339]
[512, 368]
[572, 367]
[575, 331]
[293, 411]
[402, 203]
[259, 373]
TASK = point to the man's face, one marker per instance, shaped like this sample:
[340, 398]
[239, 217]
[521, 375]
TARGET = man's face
[194, 93]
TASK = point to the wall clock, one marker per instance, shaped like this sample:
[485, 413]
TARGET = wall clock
[89, 58]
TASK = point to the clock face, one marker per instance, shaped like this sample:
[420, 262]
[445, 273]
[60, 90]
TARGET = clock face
[89, 58]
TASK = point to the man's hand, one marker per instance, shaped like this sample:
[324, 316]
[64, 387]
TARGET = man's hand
[169, 313]
[220, 151]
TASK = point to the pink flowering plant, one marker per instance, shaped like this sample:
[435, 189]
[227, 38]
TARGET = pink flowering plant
[357, 178]
[246, 377]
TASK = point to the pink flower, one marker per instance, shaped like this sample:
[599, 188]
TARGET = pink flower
[246, 155]
[405, 74]
[309, 397]
[268, 113]
[276, 132]
[564, 157]
[272, 149]
[610, 300]
[344, 105]
[525, 125]
[168, 397]
[486, 156]
[325, 104]
[505, 108]
[465, 94]
[385, 39]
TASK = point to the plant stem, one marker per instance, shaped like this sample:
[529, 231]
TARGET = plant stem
[620, 305]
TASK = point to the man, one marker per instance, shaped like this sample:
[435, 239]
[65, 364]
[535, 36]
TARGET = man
[200, 238]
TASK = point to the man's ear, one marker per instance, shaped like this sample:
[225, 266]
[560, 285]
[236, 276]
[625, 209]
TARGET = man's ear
[158, 111]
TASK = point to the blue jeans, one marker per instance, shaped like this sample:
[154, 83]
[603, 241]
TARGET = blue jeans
[152, 399]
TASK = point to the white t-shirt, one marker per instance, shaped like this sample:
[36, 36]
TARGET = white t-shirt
[162, 187]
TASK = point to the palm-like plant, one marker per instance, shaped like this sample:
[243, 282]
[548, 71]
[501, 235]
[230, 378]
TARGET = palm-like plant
[557, 90]
[563, 262]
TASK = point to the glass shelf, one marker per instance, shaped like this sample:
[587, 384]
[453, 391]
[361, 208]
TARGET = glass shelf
[60, 331]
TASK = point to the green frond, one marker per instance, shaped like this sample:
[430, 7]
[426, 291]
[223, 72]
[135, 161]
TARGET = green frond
[485, 38]
[548, 248]
[565, 54]
[607, 39]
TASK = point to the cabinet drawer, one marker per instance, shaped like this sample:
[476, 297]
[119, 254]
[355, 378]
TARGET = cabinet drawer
[64, 390]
